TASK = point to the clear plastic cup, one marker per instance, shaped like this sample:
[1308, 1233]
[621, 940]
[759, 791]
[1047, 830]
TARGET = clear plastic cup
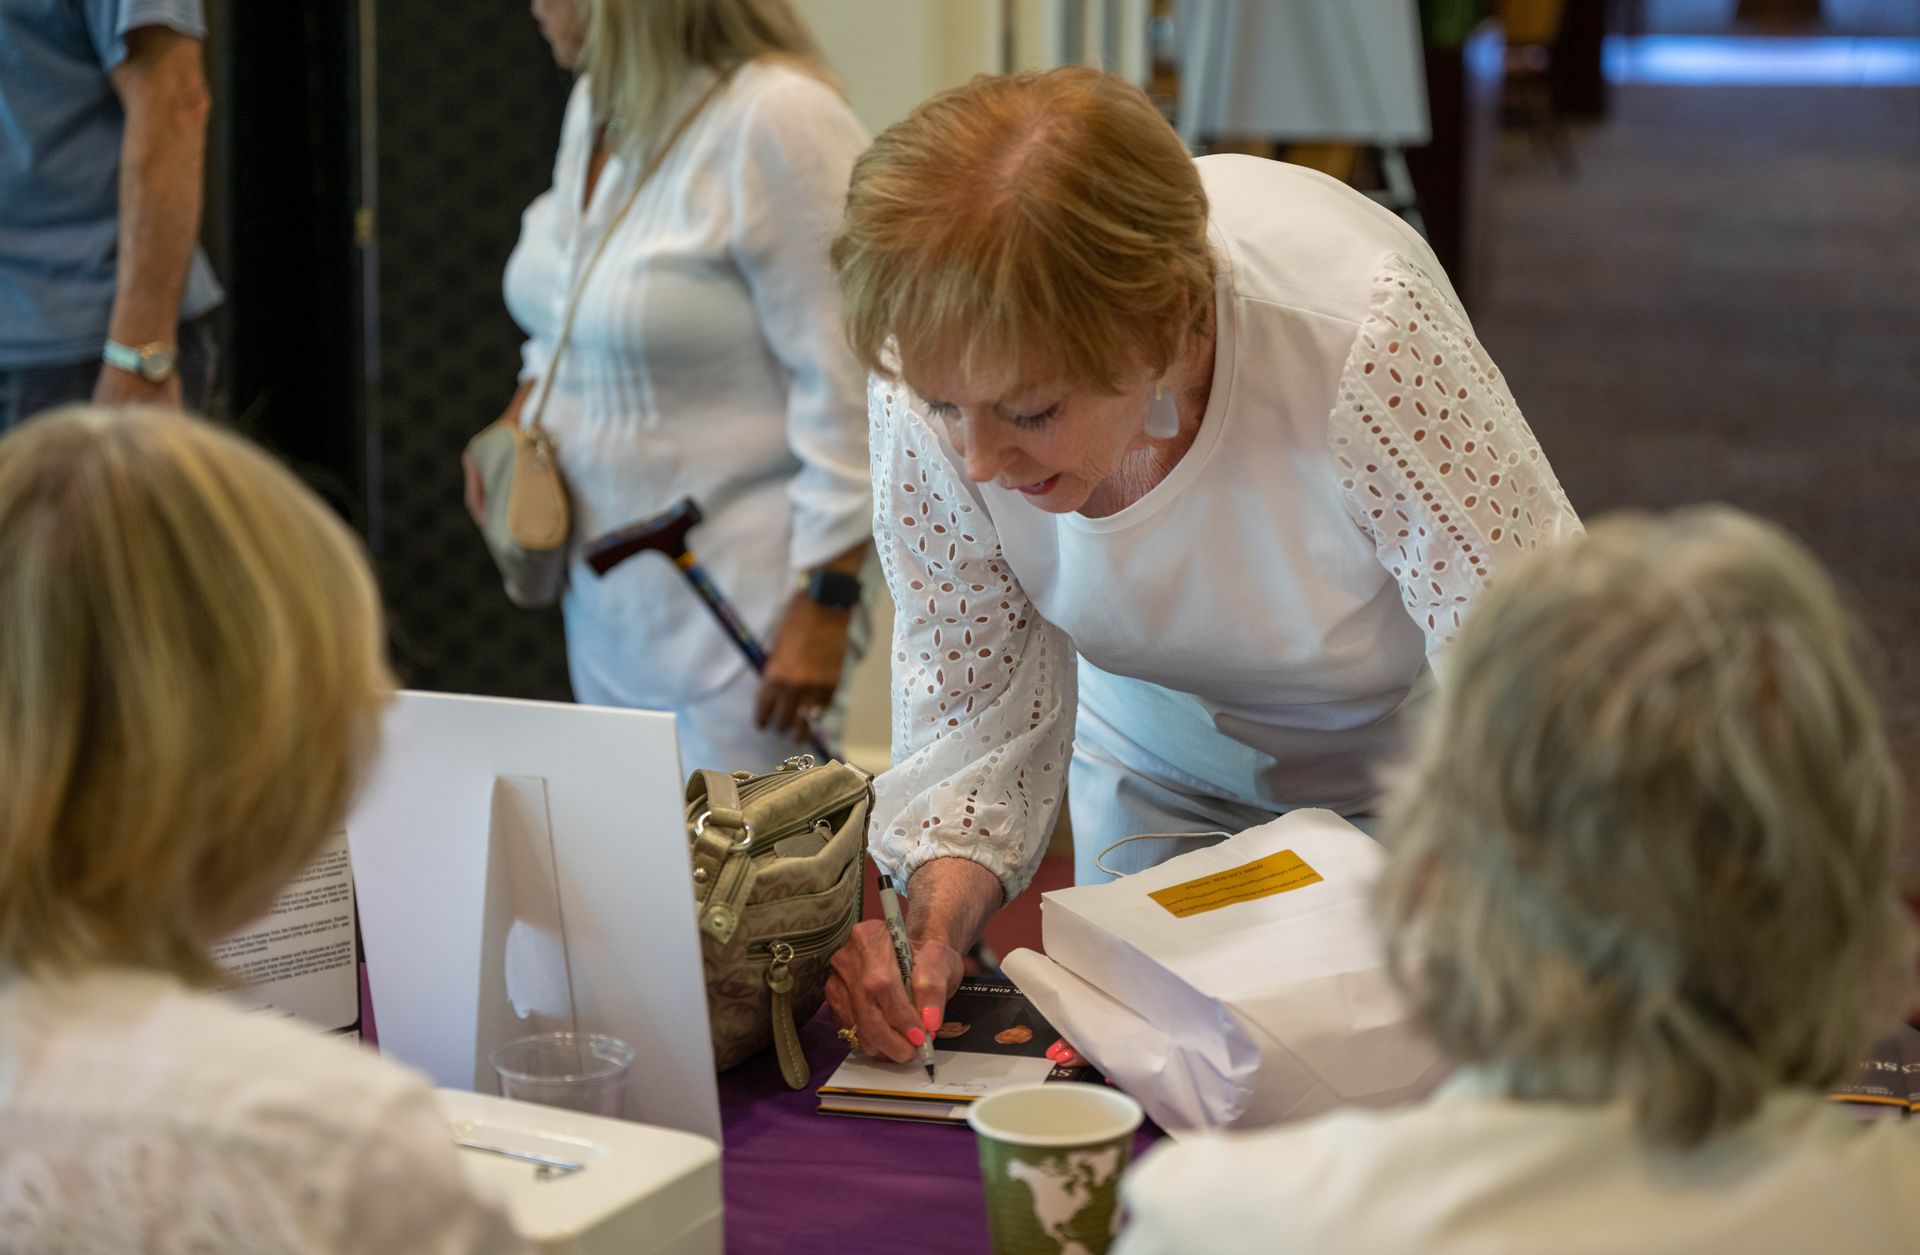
[579, 1071]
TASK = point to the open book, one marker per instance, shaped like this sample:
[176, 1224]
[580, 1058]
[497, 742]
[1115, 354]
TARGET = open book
[992, 1038]
[1887, 1082]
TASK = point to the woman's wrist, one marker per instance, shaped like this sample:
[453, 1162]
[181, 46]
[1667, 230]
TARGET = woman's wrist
[835, 583]
[803, 612]
[950, 900]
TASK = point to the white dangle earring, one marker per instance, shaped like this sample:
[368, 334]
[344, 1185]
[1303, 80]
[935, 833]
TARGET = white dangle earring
[1163, 415]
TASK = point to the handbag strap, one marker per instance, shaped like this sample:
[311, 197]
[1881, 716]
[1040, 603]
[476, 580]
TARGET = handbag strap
[647, 171]
[723, 803]
[722, 865]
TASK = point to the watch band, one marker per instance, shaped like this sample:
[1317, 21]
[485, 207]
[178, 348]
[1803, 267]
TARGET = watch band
[152, 362]
[835, 590]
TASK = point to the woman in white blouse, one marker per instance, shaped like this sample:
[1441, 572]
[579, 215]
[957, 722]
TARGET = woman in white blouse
[191, 677]
[1641, 888]
[1187, 470]
[706, 360]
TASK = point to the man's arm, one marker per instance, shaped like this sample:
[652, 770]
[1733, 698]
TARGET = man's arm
[162, 85]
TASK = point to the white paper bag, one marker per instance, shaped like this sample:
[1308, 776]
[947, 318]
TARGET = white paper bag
[1252, 991]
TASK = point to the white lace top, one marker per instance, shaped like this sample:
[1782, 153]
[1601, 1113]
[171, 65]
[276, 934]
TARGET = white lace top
[136, 1115]
[1257, 627]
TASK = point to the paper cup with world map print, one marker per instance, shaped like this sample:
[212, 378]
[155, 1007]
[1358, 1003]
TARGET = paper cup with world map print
[1051, 1156]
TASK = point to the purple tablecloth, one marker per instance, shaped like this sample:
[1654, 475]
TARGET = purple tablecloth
[798, 1182]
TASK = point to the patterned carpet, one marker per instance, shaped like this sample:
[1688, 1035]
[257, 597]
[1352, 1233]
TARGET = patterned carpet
[1724, 304]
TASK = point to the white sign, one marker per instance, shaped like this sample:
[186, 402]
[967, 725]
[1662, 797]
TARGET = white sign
[523, 866]
[299, 959]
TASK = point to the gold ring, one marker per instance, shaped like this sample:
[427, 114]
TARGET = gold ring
[851, 1036]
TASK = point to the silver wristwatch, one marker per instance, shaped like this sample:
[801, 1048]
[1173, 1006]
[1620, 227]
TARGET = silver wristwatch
[152, 362]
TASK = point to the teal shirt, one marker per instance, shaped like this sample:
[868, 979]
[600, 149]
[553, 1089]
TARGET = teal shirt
[60, 132]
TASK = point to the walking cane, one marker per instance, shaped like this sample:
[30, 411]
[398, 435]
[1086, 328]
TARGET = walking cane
[666, 533]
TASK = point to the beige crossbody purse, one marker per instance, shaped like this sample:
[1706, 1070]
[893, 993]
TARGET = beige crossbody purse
[528, 518]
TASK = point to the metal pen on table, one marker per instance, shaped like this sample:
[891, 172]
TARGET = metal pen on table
[903, 951]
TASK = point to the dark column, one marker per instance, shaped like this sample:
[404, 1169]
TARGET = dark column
[1578, 80]
[281, 214]
[1453, 173]
[369, 166]
[467, 118]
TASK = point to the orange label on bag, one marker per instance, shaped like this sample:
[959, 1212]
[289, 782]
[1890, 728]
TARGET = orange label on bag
[1262, 878]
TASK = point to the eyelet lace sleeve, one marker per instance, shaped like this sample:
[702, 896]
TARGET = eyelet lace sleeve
[1436, 462]
[983, 687]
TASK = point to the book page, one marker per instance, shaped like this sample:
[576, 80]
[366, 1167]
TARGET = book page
[1887, 1082]
[957, 1075]
[924, 1110]
[299, 959]
[992, 1038]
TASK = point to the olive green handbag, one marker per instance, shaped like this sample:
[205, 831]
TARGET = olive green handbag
[777, 879]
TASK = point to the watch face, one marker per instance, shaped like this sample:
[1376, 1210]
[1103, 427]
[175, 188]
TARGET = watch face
[156, 363]
[836, 590]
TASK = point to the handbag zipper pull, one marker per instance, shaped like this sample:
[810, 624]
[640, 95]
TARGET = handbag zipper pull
[786, 1036]
[779, 974]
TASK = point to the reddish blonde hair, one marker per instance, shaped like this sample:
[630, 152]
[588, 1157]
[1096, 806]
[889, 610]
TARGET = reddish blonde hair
[1051, 224]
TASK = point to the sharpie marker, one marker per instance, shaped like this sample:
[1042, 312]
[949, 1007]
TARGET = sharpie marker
[903, 951]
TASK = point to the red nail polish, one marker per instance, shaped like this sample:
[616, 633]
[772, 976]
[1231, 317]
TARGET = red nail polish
[1054, 1052]
[930, 1019]
[915, 1037]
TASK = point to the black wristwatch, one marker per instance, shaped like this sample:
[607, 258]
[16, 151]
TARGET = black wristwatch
[836, 590]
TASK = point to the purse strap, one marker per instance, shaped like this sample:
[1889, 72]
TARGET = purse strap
[659, 155]
[723, 868]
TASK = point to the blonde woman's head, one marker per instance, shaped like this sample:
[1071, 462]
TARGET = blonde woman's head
[1045, 228]
[1643, 850]
[639, 54]
[191, 675]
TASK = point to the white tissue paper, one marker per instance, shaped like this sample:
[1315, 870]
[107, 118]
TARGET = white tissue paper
[1253, 991]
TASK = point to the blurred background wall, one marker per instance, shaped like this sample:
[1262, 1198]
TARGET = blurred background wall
[370, 161]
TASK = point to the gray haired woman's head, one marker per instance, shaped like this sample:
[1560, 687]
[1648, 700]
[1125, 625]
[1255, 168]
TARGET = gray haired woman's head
[1643, 850]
